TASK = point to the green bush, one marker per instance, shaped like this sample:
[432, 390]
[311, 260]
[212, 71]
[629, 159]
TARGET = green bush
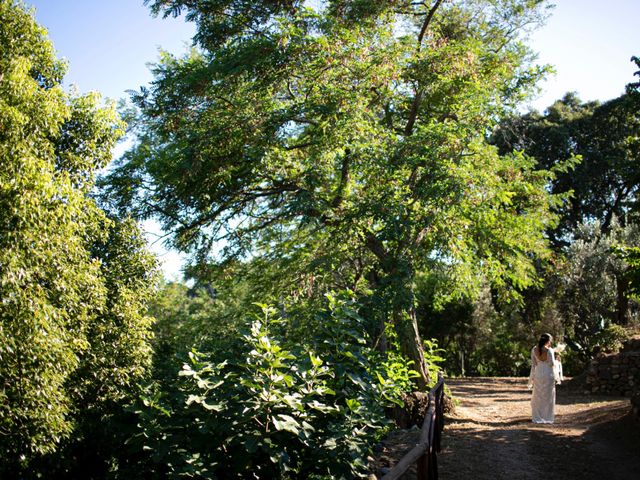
[274, 409]
[603, 337]
[504, 357]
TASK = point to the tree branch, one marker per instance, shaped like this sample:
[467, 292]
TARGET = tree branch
[427, 21]
[310, 121]
[344, 179]
[415, 105]
[162, 211]
[376, 247]
[413, 113]
[300, 145]
[619, 195]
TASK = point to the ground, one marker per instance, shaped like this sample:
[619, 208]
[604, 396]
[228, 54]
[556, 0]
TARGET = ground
[490, 436]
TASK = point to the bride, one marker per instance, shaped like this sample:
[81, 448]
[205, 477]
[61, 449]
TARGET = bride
[543, 378]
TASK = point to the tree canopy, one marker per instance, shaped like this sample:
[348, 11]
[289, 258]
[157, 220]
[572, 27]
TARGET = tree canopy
[73, 335]
[347, 129]
[349, 177]
[603, 137]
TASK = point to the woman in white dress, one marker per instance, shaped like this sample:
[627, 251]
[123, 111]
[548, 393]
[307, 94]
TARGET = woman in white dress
[543, 377]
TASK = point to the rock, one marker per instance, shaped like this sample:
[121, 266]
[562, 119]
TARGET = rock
[604, 359]
[617, 374]
[632, 344]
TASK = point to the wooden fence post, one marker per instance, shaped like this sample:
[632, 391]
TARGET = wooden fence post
[424, 454]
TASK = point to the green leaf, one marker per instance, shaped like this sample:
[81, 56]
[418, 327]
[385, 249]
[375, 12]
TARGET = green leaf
[353, 404]
[287, 423]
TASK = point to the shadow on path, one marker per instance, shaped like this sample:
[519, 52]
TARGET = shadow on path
[490, 436]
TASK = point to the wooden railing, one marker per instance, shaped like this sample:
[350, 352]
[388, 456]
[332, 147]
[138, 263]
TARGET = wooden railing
[426, 450]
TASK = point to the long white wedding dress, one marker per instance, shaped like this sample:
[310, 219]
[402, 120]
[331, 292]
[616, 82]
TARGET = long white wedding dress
[543, 377]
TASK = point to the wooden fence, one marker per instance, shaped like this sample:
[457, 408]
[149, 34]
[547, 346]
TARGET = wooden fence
[426, 450]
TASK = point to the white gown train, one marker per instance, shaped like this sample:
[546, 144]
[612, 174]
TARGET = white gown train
[543, 377]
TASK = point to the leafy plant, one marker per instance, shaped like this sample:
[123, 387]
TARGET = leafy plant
[275, 409]
[630, 255]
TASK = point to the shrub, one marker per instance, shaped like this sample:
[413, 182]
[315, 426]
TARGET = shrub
[272, 409]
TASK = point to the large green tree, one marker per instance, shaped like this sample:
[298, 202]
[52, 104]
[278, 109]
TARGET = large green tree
[72, 282]
[604, 137]
[345, 131]
[604, 181]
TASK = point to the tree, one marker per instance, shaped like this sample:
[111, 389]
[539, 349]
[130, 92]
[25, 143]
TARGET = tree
[350, 130]
[604, 180]
[589, 286]
[603, 137]
[71, 331]
[117, 358]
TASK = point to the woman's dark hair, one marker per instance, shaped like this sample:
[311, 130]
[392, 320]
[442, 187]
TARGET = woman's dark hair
[544, 338]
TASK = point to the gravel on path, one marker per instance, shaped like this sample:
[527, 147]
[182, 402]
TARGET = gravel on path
[490, 436]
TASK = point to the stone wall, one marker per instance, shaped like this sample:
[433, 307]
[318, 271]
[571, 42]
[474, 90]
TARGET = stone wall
[618, 373]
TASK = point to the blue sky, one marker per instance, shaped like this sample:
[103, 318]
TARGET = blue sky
[109, 44]
[590, 44]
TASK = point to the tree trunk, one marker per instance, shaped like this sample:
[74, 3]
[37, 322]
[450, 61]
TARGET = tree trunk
[398, 282]
[411, 344]
[382, 339]
[417, 351]
[622, 304]
[379, 335]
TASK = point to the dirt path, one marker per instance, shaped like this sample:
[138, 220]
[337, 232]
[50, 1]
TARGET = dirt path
[490, 436]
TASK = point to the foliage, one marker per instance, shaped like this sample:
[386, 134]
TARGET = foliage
[589, 292]
[434, 358]
[631, 256]
[345, 132]
[580, 302]
[185, 318]
[117, 359]
[633, 88]
[610, 338]
[483, 335]
[274, 409]
[603, 141]
[120, 350]
[502, 356]
[593, 149]
[72, 282]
